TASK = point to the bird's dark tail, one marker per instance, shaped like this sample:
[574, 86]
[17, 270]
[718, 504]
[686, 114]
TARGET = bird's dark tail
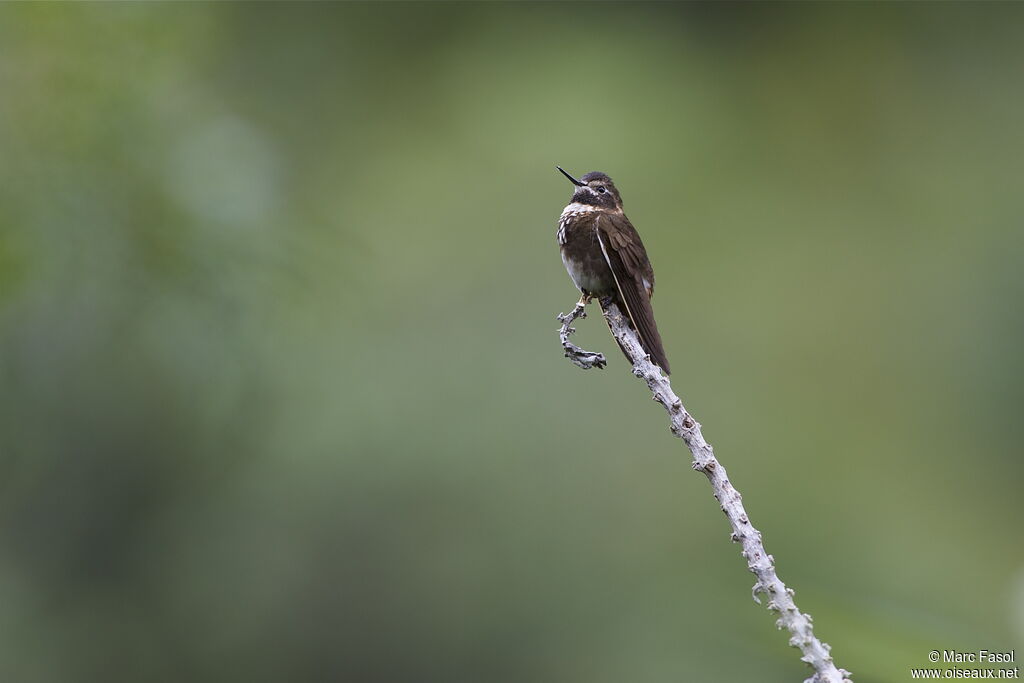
[651, 341]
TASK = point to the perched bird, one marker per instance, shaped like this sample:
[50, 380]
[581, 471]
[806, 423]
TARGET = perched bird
[606, 259]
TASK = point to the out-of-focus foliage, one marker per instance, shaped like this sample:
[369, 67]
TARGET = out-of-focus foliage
[281, 397]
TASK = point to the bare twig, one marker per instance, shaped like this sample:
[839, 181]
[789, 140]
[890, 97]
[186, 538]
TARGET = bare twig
[578, 357]
[762, 565]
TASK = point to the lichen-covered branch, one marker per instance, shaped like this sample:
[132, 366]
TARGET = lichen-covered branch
[780, 598]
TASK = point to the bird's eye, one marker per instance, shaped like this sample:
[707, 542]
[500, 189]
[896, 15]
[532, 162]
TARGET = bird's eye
[600, 189]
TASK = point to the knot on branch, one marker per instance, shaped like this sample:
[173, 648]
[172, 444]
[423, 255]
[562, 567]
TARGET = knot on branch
[704, 466]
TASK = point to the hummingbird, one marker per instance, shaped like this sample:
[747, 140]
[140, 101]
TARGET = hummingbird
[606, 259]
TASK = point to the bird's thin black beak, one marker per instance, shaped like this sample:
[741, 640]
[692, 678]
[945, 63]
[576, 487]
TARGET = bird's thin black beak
[571, 179]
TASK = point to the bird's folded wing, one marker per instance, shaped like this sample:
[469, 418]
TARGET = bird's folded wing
[626, 257]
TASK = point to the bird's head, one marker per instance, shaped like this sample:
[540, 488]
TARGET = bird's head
[595, 189]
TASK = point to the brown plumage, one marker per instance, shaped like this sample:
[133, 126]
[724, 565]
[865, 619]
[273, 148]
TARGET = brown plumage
[606, 258]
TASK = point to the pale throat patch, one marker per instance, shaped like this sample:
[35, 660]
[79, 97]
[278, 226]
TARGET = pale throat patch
[575, 208]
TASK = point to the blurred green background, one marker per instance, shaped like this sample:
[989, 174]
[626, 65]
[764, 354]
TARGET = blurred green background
[281, 395]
